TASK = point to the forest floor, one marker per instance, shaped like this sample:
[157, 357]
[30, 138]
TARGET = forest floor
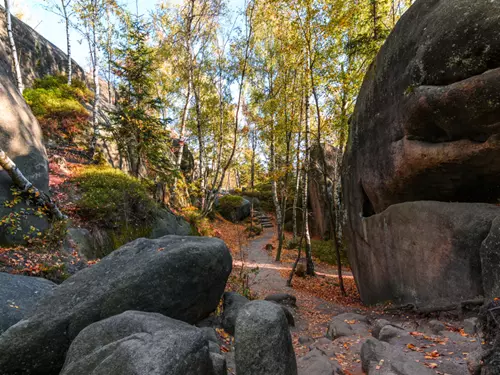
[319, 300]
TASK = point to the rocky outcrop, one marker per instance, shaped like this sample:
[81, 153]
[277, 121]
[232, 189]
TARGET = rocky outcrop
[347, 324]
[320, 211]
[426, 128]
[263, 344]
[19, 296]
[381, 358]
[21, 139]
[442, 242]
[167, 223]
[37, 56]
[180, 277]
[138, 343]
[232, 304]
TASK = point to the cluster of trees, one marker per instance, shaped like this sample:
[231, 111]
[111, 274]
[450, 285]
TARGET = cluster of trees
[250, 91]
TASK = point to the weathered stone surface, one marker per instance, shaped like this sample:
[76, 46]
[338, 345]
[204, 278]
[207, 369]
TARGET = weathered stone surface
[471, 326]
[80, 239]
[180, 277]
[440, 240]
[379, 357]
[19, 296]
[21, 139]
[347, 324]
[378, 325]
[232, 304]
[436, 326]
[283, 299]
[38, 57]
[167, 223]
[320, 216]
[317, 363]
[139, 343]
[263, 344]
[490, 259]
[392, 333]
[219, 365]
[425, 128]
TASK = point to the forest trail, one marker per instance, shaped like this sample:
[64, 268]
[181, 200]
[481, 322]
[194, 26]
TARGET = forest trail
[313, 315]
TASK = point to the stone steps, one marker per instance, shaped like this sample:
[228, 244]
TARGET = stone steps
[264, 220]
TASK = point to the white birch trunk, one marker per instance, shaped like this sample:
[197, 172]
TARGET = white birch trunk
[64, 6]
[39, 197]
[13, 49]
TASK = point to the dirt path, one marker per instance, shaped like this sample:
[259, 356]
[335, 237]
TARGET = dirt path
[313, 315]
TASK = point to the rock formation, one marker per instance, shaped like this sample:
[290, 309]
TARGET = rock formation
[180, 277]
[138, 343]
[21, 139]
[426, 128]
[320, 211]
[19, 296]
[263, 344]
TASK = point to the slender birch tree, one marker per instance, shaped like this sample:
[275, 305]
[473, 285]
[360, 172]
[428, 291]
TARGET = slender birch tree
[13, 49]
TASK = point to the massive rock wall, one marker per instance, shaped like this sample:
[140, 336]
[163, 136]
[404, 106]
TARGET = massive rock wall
[21, 139]
[426, 128]
[320, 211]
[37, 56]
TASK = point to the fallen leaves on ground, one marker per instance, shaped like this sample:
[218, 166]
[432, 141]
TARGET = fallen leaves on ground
[326, 288]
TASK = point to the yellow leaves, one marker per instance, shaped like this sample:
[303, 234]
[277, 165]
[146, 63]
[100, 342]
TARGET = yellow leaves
[432, 355]
[431, 365]
[414, 348]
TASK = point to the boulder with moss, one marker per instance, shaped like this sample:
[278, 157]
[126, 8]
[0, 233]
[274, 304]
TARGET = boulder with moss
[234, 207]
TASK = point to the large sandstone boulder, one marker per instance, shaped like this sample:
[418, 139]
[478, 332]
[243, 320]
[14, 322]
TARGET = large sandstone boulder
[21, 139]
[442, 243]
[425, 128]
[180, 277]
[167, 223]
[263, 344]
[19, 296]
[138, 343]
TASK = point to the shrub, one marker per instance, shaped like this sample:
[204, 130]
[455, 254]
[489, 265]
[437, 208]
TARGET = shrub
[113, 199]
[58, 107]
[200, 226]
[324, 252]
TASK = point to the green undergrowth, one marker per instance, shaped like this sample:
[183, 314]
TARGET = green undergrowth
[58, 107]
[323, 251]
[115, 202]
[200, 225]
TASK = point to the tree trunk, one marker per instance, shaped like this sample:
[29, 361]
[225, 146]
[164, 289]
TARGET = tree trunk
[39, 197]
[297, 189]
[185, 112]
[13, 49]
[307, 236]
[249, 23]
[274, 188]
[95, 76]
[375, 18]
[64, 6]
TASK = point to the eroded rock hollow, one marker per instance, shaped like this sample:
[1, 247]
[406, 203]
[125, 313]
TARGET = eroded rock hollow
[421, 175]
